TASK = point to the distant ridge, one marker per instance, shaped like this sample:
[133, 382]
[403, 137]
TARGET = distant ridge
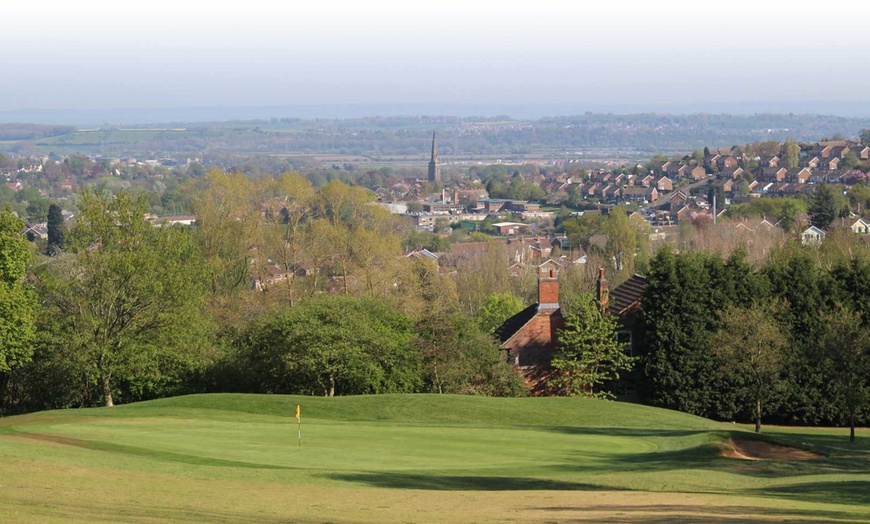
[139, 116]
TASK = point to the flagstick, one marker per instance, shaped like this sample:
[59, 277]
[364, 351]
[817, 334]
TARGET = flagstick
[299, 425]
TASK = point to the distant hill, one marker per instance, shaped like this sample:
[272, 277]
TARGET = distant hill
[390, 137]
[140, 116]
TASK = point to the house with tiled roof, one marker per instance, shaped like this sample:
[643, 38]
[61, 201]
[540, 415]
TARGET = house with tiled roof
[840, 151]
[798, 176]
[664, 184]
[809, 162]
[770, 174]
[678, 170]
[640, 194]
[529, 338]
[769, 161]
[829, 164]
[697, 173]
[732, 173]
[726, 162]
[821, 151]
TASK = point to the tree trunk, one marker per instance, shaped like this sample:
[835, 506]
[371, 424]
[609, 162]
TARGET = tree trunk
[758, 415]
[852, 427]
[107, 392]
[331, 386]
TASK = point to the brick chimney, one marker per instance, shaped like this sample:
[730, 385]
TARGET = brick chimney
[602, 290]
[548, 289]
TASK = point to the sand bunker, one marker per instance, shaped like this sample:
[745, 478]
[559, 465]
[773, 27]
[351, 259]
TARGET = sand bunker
[748, 449]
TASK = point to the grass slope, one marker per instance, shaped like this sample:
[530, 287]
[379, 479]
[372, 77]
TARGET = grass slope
[236, 458]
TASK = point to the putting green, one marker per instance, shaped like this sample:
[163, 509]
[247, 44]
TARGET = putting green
[455, 456]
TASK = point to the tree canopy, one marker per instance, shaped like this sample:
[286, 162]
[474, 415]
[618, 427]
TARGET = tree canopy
[589, 355]
[127, 296]
[17, 302]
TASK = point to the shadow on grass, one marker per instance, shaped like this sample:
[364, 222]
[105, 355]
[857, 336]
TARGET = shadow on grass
[125, 511]
[839, 456]
[626, 432]
[845, 492]
[682, 513]
[149, 453]
[826, 443]
[464, 483]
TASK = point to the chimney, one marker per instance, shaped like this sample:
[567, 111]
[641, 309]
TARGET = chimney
[602, 290]
[548, 290]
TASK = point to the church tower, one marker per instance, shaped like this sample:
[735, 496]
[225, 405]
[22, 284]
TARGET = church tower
[434, 166]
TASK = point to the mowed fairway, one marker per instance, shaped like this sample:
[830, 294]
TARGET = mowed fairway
[413, 458]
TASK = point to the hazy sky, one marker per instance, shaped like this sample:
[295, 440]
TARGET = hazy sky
[159, 53]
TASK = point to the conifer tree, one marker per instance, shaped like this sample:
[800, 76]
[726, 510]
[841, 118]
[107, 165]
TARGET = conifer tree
[55, 229]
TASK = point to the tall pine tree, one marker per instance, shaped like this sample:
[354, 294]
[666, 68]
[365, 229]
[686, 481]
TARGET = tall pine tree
[55, 229]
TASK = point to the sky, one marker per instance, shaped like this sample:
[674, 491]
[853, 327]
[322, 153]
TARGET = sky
[100, 55]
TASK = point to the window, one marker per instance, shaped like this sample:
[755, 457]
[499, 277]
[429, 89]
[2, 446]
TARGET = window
[624, 337]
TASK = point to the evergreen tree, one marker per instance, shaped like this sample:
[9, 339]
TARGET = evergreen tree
[824, 206]
[807, 292]
[55, 229]
[679, 318]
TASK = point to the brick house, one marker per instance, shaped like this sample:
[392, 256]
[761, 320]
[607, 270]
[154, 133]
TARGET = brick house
[726, 184]
[829, 164]
[678, 200]
[664, 184]
[821, 151]
[726, 162]
[840, 151]
[640, 194]
[770, 174]
[770, 161]
[732, 172]
[678, 170]
[698, 173]
[801, 176]
[529, 337]
[810, 162]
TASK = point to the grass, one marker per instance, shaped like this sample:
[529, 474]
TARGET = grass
[412, 458]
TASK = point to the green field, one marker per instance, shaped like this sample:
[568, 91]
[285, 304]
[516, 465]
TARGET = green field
[413, 458]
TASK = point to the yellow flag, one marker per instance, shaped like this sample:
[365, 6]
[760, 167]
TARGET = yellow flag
[298, 410]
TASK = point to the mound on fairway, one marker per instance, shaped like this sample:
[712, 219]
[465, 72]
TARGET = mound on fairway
[365, 448]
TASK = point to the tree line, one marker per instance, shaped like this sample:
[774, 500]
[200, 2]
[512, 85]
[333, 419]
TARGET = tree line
[786, 340]
[124, 311]
[280, 287]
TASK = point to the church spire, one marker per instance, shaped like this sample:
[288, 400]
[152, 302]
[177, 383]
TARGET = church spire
[434, 149]
[434, 166]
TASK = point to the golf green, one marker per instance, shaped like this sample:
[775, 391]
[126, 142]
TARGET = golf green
[459, 458]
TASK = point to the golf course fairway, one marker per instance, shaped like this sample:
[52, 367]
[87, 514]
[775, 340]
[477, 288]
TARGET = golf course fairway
[419, 458]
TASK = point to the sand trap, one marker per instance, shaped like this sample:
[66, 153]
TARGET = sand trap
[749, 449]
